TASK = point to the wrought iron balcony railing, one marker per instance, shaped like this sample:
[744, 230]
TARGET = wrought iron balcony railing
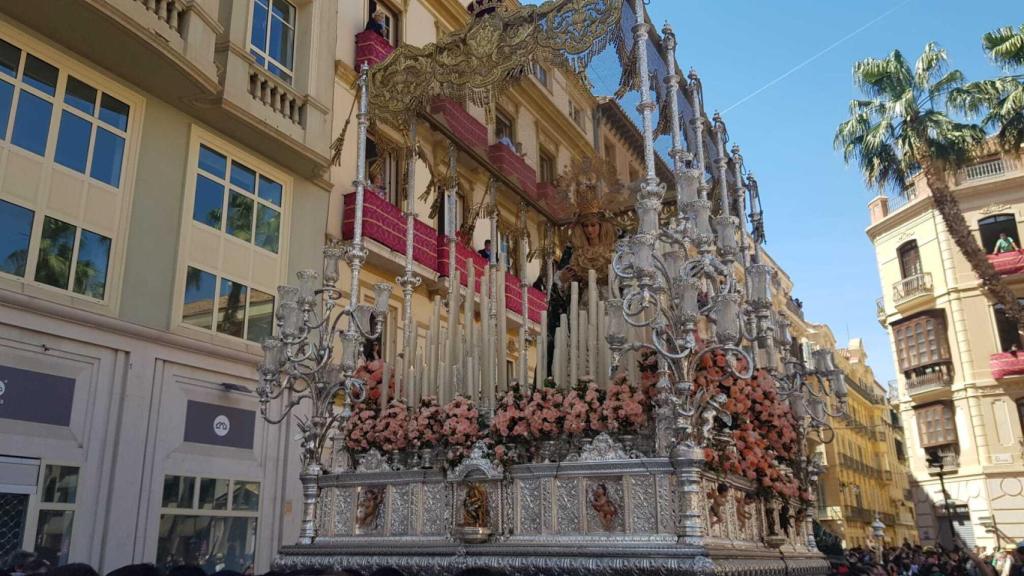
[912, 287]
[880, 311]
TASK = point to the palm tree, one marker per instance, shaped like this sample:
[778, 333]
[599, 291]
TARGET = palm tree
[901, 129]
[1001, 99]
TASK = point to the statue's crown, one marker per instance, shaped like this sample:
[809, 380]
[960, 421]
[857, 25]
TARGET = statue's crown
[483, 7]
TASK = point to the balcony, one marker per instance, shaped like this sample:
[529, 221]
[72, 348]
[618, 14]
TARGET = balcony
[986, 170]
[384, 223]
[1006, 365]
[513, 165]
[950, 460]
[1008, 263]
[461, 123]
[880, 313]
[939, 378]
[795, 306]
[912, 288]
[371, 48]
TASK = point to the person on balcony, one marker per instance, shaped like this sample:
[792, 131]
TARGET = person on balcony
[486, 250]
[1005, 244]
[376, 23]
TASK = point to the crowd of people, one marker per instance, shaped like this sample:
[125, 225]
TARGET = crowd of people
[916, 560]
[24, 563]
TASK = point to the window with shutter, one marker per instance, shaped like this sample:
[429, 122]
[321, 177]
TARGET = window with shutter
[936, 425]
[921, 340]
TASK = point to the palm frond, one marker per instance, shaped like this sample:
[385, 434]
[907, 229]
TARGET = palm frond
[930, 65]
[1005, 46]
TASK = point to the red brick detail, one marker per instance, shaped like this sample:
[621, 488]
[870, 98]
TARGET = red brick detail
[1008, 263]
[385, 223]
[513, 166]
[462, 124]
[1006, 364]
[371, 48]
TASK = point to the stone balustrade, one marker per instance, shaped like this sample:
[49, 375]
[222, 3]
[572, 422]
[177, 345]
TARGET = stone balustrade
[273, 93]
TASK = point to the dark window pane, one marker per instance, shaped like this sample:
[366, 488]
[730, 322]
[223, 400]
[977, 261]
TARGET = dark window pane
[200, 288]
[114, 112]
[80, 95]
[213, 162]
[259, 58]
[60, 484]
[53, 535]
[106, 157]
[231, 308]
[15, 232]
[282, 34]
[270, 190]
[261, 316]
[32, 123]
[202, 540]
[258, 36]
[55, 248]
[41, 75]
[246, 496]
[10, 59]
[213, 494]
[240, 216]
[268, 228]
[277, 71]
[73, 141]
[209, 204]
[6, 97]
[243, 177]
[91, 268]
[178, 491]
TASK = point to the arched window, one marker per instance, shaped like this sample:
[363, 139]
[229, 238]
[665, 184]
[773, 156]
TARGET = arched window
[910, 259]
[991, 227]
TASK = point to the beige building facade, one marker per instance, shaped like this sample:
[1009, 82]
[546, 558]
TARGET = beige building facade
[961, 384]
[163, 168]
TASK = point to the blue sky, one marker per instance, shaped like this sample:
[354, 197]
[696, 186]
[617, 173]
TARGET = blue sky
[816, 207]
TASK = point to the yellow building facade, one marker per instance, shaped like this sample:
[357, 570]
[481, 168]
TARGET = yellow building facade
[960, 385]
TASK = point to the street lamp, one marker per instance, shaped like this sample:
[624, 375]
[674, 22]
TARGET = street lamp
[935, 460]
[878, 532]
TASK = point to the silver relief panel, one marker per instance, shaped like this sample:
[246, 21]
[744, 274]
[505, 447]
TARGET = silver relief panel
[325, 512]
[529, 507]
[547, 512]
[666, 506]
[642, 504]
[568, 506]
[436, 509]
[400, 508]
[344, 510]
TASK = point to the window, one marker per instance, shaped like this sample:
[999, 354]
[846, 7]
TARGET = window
[237, 200]
[58, 495]
[390, 21]
[272, 37]
[609, 152]
[901, 452]
[227, 306]
[577, 115]
[92, 124]
[921, 340]
[991, 227]
[504, 129]
[547, 167]
[1006, 328]
[15, 234]
[383, 171]
[936, 425]
[60, 244]
[910, 259]
[634, 174]
[541, 74]
[208, 522]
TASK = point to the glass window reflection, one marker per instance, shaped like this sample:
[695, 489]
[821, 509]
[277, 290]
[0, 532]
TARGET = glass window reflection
[91, 267]
[56, 245]
[32, 123]
[209, 202]
[15, 233]
[200, 288]
[106, 157]
[261, 316]
[73, 141]
[231, 308]
[60, 484]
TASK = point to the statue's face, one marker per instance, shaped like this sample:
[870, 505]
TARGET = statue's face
[592, 230]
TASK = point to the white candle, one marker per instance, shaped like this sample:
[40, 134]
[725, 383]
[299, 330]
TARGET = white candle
[602, 346]
[486, 356]
[384, 385]
[502, 316]
[591, 322]
[542, 349]
[574, 334]
[470, 322]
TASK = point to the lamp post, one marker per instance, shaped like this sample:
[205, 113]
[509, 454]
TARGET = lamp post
[878, 533]
[935, 460]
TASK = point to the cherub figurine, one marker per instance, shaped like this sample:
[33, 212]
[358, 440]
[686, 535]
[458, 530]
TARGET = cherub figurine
[742, 513]
[474, 506]
[716, 500]
[606, 510]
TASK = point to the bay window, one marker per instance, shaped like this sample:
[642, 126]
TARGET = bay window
[272, 37]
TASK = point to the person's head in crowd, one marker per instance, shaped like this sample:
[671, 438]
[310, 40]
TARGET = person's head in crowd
[136, 570]
[186, 570]
[227, 573]
[17, 561]
[36, 566]
[73, 569]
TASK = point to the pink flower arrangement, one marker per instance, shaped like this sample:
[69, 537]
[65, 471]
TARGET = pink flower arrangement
[510, 424]
[391, 429]
[582, 409]
[359, 429]
[543, 411]
[624, 408]
[461, 427]
[372, 374]
[426, 425]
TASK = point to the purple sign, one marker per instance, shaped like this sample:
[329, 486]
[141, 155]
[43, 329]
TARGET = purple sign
[36, 396]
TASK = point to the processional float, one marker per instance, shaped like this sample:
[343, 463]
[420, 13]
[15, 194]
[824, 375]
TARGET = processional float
[675, 431]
